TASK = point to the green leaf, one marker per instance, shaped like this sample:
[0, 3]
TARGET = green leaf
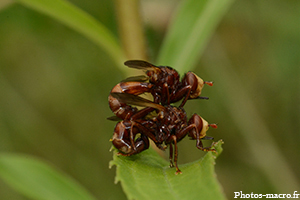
[37, 180]
[190, 31]
[80, 21]
[148, 176]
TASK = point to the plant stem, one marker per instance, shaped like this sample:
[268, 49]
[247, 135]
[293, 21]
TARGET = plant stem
[5, 3]
[131, 29]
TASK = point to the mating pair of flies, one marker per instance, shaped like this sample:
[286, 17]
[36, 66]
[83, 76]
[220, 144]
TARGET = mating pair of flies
[158, 120]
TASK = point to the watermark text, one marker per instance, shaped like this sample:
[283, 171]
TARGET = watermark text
[240, 194]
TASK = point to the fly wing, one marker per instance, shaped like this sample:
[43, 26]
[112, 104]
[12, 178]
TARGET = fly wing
[140, 64]
[136, 100]
[114, 118]
[207, 138]
[141, 78]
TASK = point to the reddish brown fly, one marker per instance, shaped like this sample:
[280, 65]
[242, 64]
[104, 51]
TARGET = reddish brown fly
[167, 124]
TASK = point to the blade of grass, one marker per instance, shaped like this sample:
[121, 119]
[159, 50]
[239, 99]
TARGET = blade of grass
[38, 180]
[190, 31]
[80, 21]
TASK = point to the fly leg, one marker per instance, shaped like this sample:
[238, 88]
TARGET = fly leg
[200, 146]
[171, 155]
[176, 155]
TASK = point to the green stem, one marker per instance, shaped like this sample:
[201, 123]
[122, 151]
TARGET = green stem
[131, 29]
[5, 3]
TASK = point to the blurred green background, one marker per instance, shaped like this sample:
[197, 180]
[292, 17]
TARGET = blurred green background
[54, 85]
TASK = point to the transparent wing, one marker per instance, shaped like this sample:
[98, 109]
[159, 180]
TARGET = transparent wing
[136, 100]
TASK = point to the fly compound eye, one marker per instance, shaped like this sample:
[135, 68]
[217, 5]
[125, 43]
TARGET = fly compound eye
[195, 82]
